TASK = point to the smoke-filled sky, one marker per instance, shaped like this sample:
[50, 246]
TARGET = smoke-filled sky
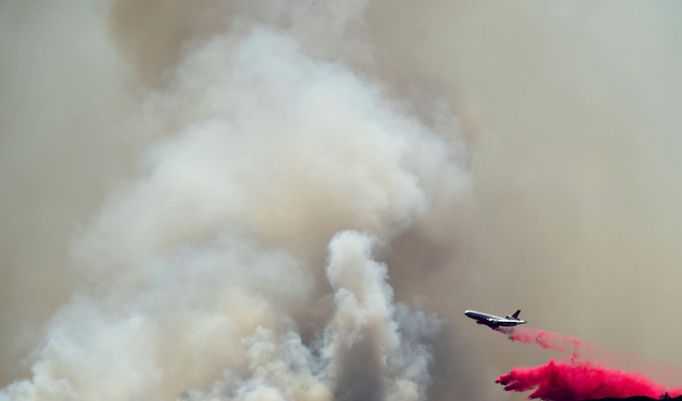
[259, 200]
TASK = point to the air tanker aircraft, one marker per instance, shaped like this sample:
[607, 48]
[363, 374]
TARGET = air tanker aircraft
[493, 321]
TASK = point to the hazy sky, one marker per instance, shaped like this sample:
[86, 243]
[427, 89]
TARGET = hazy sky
[494, 155]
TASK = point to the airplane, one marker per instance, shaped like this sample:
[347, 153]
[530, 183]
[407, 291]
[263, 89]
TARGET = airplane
[493, 321]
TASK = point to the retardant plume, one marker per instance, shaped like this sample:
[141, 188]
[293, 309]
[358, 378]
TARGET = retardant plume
[544, 339]
[579, 377]
[563, 381]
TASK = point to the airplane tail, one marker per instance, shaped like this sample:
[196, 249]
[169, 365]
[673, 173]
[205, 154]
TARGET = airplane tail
[516, 314]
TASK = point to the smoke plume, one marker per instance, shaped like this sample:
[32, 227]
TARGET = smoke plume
[206, 267]
[213, 324]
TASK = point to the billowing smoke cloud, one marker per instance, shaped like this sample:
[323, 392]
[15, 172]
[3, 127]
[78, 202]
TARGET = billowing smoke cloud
[206, 268]
[212, 323]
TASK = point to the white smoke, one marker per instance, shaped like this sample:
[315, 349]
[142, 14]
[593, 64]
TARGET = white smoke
[204, 270]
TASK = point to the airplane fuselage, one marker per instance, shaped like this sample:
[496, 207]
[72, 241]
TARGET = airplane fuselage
[493, 321]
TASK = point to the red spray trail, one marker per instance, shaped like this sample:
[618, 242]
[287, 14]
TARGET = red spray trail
[576, 379]
[564, 381]
[545, 339]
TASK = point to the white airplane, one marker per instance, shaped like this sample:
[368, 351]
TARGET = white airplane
[493, 321]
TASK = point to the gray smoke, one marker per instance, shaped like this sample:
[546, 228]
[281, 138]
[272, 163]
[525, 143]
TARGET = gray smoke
[205, 270]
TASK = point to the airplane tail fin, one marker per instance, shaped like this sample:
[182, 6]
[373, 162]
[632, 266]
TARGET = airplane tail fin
[516, 314]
